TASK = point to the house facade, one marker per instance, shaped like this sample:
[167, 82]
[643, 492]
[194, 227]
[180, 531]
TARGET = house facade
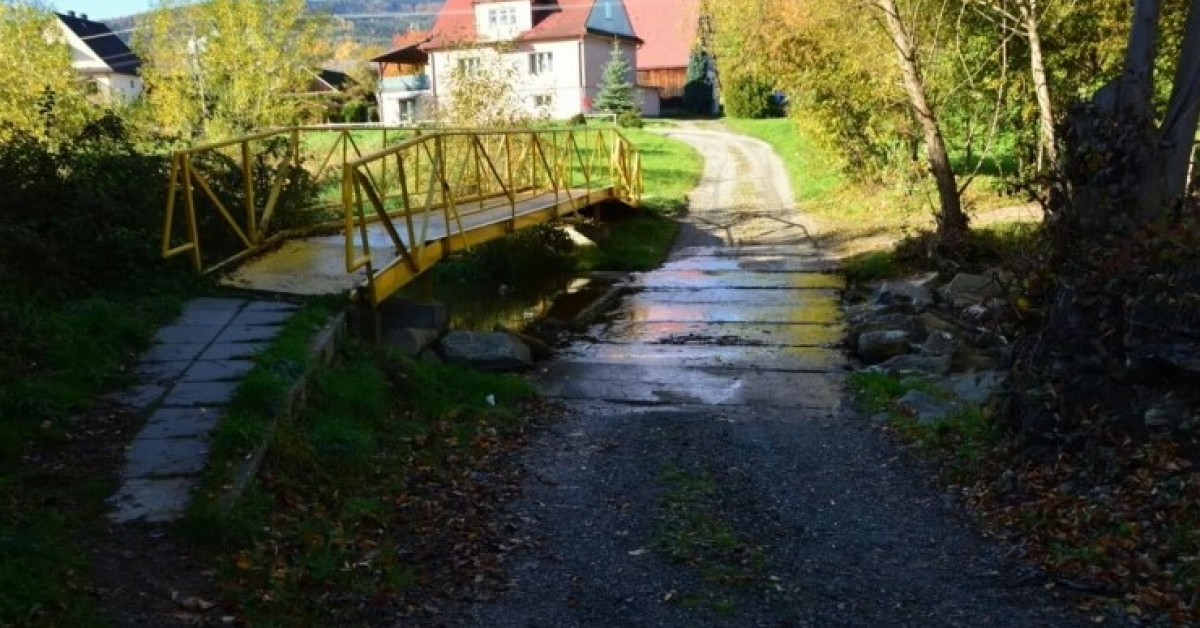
[552, 53]
[404, 93]
[101, 59]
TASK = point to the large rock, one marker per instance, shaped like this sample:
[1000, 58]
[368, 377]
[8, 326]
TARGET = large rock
[976, 388]
[409, 340]
[927, 409]
[941, 343]
[968, 289]
[910, 365]
[884, 322]
[496, 351]
[914, 292]
[877, 346]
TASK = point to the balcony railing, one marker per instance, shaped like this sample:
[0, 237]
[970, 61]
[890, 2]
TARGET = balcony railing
[413, 83]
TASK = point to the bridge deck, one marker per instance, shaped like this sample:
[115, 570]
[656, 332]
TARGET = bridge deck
[317, 264]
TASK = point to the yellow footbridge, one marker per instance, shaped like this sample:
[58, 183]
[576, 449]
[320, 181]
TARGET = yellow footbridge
[392, 203]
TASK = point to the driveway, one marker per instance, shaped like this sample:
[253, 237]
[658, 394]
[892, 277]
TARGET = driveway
[709, 472]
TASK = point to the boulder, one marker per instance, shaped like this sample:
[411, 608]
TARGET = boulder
[410, 341]
[496, 351]
[927, 409]
[905, 322]
[941, 343]
[914, 292]
[975, 388]
[910, 365]
[968, 289]
[877, 346]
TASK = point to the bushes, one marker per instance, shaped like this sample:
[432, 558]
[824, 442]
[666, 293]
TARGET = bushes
[354, 112]
[79, 216]
[748, 97]
[630, 119]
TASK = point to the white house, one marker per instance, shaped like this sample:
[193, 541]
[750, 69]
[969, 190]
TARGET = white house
[554, 51]
[101, 58]
[404, 95]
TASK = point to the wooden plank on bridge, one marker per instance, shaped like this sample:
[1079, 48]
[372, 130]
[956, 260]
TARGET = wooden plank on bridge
[317, 265]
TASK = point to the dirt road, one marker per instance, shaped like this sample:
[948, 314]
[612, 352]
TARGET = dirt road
[710, 474]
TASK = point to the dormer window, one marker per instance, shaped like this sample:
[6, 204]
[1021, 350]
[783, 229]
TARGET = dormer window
[502, 16]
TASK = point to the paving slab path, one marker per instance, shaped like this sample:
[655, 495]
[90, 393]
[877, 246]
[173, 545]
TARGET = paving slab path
[709, 472]
[187, 378]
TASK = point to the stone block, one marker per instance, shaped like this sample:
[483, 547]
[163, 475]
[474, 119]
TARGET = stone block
[409, 341]
[187, 394]
[165, 457]
[259, 318]
[249, 333]
[181, 423]
[233, 350]
[175, 352]
[187, 334]
[161, 372]
[217, 370]
[404, 313]
[151, 500]
[496, 351]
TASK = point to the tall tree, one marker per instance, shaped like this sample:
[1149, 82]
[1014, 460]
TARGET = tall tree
[226, 67]
[616, 92]
[698, 86]
[951, 220]
[40, 94]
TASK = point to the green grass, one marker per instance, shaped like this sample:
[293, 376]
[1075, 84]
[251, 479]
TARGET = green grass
[57, 356]
[637, 243]
[376, 467]
[813, 172]
[670, 169]
[959, 443]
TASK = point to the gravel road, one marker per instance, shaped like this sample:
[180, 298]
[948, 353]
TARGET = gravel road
[710, 473]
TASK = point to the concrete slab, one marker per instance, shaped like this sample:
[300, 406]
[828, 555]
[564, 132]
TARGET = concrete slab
[249, 333]
[175, 352]
[161, 372]
[217, 371]
[692, 333]
[649, 307]
[188, 394]
[165, 457]
[181, 423]
[270, 306]
[706, 279]
[799, 250]
[214, 303]
[265, 317]
[743, 296]
[151, 500]
[756, 263]
[202, 316]
[816, 359]
[233, 350]
[187, 334]
[141, 397]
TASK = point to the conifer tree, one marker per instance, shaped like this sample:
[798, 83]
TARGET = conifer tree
[616, 93]
[698, 87]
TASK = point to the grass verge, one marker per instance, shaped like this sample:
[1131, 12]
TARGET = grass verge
[380, 486]
[853, 217]
[58, 441]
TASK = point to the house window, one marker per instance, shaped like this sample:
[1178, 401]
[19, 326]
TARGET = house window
[503, 16]
[541, 63]
[468, 66]
[543, 100]
[408, 111]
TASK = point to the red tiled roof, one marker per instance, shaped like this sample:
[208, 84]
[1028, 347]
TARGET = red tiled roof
[552, 19]
[669, 28]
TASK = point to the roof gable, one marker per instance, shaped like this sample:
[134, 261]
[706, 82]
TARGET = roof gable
[669, 28]
[103, 43]
[552, 19]
[611, 18]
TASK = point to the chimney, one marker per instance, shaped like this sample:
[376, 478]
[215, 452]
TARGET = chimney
[71, 13]
[83, 16]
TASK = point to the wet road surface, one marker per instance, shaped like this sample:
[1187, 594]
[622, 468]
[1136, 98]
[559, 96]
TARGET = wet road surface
[709, 472]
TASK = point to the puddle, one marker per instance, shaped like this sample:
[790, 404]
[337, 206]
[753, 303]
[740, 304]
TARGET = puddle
[484, 308]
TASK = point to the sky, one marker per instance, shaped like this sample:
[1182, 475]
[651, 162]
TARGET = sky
[102, 9]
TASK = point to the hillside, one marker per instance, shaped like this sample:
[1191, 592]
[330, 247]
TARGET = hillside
[366, 22]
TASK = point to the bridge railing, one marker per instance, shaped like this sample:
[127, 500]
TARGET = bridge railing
[452, 181]
[239, 195]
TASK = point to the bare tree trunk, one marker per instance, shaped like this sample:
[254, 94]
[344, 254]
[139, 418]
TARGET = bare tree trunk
[952, 222]
[1041, 84]
[1178, 133]
[1137, 83]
